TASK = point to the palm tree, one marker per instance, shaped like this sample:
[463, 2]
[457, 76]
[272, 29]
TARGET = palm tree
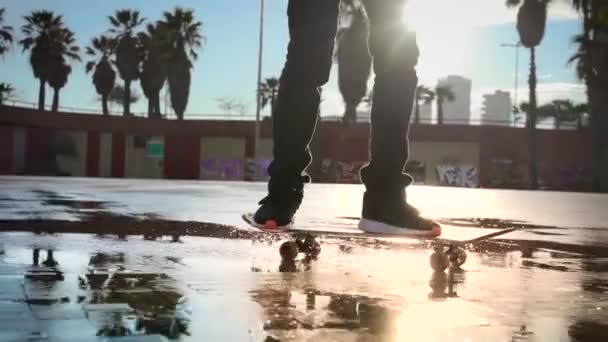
[184, 38]
[531, 22]
[58, 78]
[104, 76]
[560, 111]
[580, 110]
[47, 38]
[269, 90]
[59, 70]
[6, 90]
[442, 93]
[154, 66]
[425, 95]
[588, 69]
[128, 56]
[354, 61]
[6, 34]
[118, 93]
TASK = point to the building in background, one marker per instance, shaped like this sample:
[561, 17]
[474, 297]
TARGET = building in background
[426, 113]
[496, 109]
[459, 110]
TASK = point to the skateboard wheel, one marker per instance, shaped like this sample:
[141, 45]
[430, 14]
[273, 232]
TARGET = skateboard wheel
[458, 257]
[439, 261]
[289, 250]
[309, 246]
[313, 249]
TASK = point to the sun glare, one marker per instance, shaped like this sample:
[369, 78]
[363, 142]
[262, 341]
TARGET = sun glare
[444, 31]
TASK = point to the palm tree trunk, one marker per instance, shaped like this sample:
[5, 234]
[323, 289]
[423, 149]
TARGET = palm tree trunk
[55, 100]
[156, 104]
[531, 123]
[127, 98]
[41, 94]
[440, 111]
[273, 100]
[350, 113]
[593, 100]
[151, 106]
[417, 113]
[104, 104]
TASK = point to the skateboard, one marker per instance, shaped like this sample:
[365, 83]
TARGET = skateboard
[448, 249]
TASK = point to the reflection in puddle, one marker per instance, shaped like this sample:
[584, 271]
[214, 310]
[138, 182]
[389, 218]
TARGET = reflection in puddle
[208, 289]
[288, 310]
[158, 306]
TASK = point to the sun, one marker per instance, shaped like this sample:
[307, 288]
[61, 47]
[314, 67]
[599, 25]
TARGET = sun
[444, 32]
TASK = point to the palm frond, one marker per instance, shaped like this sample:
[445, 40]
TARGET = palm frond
[90, 66]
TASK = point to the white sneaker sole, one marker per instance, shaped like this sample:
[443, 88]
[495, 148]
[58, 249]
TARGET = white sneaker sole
[376, 227]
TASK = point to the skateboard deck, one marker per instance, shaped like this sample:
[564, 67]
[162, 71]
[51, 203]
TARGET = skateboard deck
[347, 227]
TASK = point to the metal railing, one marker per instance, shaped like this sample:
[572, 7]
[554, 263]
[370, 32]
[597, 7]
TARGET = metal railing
[543, 124]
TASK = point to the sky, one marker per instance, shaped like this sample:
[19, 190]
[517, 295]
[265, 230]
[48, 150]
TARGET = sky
[454, 37]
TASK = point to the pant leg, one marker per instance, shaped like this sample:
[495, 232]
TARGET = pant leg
[312, 30]
[395, 55]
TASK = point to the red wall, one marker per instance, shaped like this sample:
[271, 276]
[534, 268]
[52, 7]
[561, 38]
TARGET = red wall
[93, 153]
[182, 154]
[6, 150]
[118, 154]
[557, 149]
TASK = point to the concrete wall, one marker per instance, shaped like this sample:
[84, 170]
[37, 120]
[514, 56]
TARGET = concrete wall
[218, 147]
[562, 154]
[105, 155]
[137, 162]
[19, 150]
[74, 163]
[433, 154]
[265, 148]
[6, 149]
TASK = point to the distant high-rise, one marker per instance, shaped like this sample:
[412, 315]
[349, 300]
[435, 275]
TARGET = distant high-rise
[426, 113]
[457, 111]
[496, 109]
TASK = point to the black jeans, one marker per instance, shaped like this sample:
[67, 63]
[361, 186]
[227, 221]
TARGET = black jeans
[312, 28]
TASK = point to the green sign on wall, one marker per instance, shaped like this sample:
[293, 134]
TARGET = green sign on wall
[155, 149]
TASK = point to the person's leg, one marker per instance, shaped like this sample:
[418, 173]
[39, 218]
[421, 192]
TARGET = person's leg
[312, 30]
[395, 55]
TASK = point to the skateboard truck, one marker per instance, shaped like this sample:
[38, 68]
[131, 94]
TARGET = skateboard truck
[303, 243]
[441, 258]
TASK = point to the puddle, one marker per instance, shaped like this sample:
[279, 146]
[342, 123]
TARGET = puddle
[238, 289]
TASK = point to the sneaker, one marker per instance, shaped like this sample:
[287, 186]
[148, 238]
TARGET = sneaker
[278, 209]
[391, 215]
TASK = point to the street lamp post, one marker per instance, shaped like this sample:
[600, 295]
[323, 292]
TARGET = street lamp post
[516, 47]
[256, 136]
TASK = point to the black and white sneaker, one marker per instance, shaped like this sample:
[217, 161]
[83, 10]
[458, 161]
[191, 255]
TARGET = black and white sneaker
[277, 210]
[391, 215]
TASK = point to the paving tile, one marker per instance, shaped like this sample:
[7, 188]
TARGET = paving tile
[58, 312]
[141, 338]
[120, 307]
[11, 288]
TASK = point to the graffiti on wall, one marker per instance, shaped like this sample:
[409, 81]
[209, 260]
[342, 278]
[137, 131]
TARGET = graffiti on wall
[576, 175]
[457, 175]
[507, 173]
[417, 170]
[234, 169]
[256, 169]
[222, 169]
[334, 171]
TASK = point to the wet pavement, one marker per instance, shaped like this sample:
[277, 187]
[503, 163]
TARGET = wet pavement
[211, 278]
